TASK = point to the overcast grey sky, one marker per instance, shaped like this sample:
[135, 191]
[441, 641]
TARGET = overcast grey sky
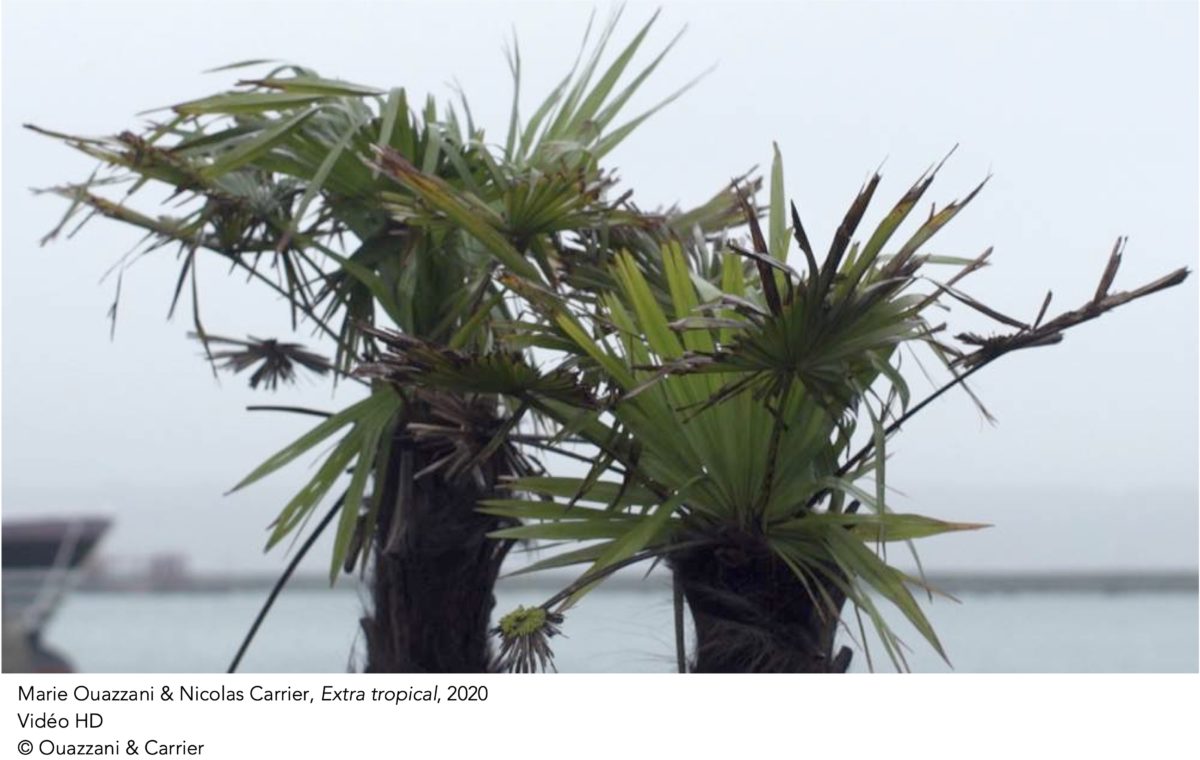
[1085, 114]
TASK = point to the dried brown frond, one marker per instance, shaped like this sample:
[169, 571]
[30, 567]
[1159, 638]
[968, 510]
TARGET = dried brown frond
[278, 361]
[1048, 333]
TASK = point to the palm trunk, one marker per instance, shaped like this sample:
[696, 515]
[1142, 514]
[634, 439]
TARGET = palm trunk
[434, 568]
[752, 615]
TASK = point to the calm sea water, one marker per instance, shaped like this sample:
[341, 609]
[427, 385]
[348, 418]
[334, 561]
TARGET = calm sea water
[622, 631]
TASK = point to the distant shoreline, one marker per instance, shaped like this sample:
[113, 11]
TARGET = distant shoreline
[1183, 581]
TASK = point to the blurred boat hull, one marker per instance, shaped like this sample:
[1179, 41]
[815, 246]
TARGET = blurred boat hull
[42, 560]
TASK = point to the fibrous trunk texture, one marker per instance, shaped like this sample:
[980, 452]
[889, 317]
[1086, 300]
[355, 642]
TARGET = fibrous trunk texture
[752, 615]
[434, 568]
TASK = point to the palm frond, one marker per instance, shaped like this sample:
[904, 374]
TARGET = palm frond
[278, 362]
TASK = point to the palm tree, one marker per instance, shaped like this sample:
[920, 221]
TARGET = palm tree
[350, 205]
[726, 408]
[498, 302]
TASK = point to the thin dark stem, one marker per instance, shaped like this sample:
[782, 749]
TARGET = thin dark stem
[562, 452]
[630, 464]
[525, 437]
[870, 445]
[589, 578]
[680, 651]
[773, 447]
[295, 409]
[283, 579]
[308, 311]
[907, 415]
